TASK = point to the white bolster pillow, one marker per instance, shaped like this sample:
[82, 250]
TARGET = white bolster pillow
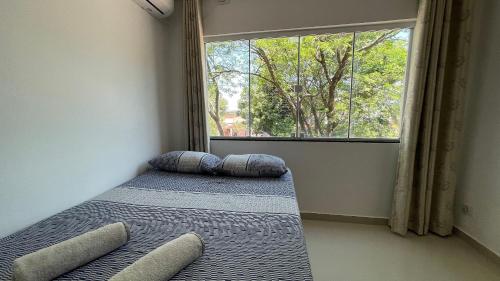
[48, 263]
[165, 261]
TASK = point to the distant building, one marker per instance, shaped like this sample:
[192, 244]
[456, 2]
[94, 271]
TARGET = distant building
[234, 125]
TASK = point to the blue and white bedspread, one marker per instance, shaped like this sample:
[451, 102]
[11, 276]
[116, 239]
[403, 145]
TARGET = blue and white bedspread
[251, 227]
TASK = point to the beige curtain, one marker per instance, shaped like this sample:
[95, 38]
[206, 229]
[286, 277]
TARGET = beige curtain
[432, 122]
[194, 67]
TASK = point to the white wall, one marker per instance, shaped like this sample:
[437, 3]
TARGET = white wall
[82, 92]
[479, 181]
[332, 177]
[176, 100]
[264, 15]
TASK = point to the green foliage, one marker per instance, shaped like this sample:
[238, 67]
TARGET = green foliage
[326, 71]
[327, 63]
[378, 86]
[227, 63]
[274, 72]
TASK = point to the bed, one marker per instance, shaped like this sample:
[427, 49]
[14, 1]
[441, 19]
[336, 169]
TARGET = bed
[251, 227]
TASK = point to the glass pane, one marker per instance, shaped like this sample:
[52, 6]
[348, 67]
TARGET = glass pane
[325, 62]
[379, 82]
[227, 75]
[272, 99]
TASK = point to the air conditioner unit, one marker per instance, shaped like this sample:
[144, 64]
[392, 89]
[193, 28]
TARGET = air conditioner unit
[157, 8]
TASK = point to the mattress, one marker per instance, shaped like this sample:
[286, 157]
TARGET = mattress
[251, 227]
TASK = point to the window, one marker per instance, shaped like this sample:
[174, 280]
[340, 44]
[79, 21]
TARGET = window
[345, 85]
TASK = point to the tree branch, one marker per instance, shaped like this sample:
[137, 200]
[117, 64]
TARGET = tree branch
[377, 41]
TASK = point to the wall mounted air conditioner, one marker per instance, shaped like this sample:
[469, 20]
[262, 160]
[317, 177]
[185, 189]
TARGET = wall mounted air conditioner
[157, 8]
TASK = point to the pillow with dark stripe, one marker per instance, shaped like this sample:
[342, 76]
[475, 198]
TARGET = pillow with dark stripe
[186, 162]
[252, 165]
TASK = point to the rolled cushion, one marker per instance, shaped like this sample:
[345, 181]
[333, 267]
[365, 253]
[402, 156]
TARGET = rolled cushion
[252, 165]
[50, 262]
[165, 261]
[186, 162]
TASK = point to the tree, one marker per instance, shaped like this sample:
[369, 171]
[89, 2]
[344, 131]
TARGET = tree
[273, 74]
[378, 84]
[225, 61]
[326, 107]
[326, 64]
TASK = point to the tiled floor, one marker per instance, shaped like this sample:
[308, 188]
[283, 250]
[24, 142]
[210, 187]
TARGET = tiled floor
[357, 252]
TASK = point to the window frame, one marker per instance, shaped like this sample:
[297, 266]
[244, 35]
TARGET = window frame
[351, 28]
[309, 139]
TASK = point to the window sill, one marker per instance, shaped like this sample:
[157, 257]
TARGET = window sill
[289, 139]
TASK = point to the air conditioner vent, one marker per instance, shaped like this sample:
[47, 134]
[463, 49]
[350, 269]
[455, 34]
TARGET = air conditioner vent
[157, 8]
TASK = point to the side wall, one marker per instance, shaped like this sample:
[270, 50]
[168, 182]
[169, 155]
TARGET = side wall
[265, 15]
[479, 181]
[82, 94]
[176, 99]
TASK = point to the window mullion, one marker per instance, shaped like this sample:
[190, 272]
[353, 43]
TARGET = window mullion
[249, 91]
[298, 104]
[352, 83]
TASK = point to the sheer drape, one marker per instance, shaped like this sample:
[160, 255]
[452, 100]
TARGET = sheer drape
[432, 122]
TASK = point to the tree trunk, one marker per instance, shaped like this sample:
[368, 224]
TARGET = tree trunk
[217, 122]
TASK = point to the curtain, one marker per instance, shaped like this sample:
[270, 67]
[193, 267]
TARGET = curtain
[195, 84]
[424, 194]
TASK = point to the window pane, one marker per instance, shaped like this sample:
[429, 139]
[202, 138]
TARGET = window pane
[227, 75]
[326, 79]
[272, 99]
[379, 82]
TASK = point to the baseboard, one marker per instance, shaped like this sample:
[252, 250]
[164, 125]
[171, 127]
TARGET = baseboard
[344, 218]
[476, 244]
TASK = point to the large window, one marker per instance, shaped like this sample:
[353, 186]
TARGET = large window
[346, 85]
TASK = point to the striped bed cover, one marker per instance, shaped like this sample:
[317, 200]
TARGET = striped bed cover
[251, 227]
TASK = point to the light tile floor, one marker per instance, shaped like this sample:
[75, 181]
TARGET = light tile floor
[357, 252]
